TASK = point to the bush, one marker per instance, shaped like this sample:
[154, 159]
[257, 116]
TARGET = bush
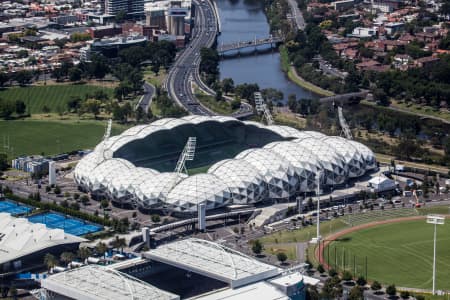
[282, 257]
[361, 281]
[156, 218]
[376, 286]
[57, 190]
[257, 247]
[404, 294]
[332, 272]
[347, 276]
[320, 269]
[391, 290]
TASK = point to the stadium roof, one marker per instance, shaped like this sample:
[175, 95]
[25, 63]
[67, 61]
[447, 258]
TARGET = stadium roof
[213, 260]
[97, 282]
[19, 237]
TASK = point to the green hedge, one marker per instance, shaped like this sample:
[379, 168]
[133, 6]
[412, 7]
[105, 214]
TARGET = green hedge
[60, 209]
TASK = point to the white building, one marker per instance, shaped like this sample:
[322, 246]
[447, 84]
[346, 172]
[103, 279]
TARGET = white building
[382, 184]
[362, 32]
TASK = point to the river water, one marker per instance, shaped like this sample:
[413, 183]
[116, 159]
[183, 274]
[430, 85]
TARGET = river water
[243, 20]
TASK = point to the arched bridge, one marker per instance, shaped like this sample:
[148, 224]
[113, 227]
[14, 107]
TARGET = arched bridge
[271, 40]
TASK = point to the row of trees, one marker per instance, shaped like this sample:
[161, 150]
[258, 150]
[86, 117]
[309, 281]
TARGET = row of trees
[10, 107]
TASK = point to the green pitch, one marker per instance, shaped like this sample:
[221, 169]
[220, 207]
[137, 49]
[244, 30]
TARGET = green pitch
[53, 96]
[51, 137]
[400, 253]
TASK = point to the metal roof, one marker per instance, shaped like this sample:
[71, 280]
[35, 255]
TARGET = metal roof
[97, 283]
[19, 237]
[213, 260]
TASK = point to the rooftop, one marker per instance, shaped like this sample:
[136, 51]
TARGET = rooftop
[19, 237]
[97, 282]
[213, 260]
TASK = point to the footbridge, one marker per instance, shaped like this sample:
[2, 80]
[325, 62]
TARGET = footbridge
[342, 98]
[270, 40]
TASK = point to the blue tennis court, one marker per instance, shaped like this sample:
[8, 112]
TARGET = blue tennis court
[14, 208]
[68, 224]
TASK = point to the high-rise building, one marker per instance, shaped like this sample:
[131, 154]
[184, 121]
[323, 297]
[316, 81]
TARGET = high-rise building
[131, 7]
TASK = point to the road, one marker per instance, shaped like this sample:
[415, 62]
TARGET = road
[185, 68]
[297, 14]
[146, 99]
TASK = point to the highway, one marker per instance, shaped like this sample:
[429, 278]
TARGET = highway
[185, 68]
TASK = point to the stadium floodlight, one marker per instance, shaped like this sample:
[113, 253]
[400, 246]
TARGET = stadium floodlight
[345, 128]
[318, 175]
[436, 220]
[187, 154]
[261, 107]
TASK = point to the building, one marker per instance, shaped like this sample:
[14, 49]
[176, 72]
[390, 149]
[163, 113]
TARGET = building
[343, 5]
[130, 7]
[382, 184]
[266, 163]
[361, 32]
[31, 164]
[23, 244]
[393, 28]
[110, 47]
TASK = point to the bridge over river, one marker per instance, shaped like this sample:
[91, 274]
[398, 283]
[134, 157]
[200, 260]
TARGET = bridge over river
[271, 40]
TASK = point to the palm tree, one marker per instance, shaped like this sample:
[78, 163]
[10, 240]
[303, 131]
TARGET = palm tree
[84, 253]
[119, 243]
[50, 260]
[67, 257]
[101, 248]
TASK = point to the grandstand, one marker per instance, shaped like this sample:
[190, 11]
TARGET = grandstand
[378, 215]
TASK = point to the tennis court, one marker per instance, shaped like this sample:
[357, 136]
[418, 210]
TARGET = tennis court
[13, 208]
[68, 224]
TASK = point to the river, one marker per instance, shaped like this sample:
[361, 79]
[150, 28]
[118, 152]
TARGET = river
[244, 20]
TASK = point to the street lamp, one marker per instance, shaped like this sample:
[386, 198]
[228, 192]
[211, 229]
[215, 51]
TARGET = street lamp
[436, 220]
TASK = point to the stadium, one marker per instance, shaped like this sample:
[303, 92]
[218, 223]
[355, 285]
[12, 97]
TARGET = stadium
[237, 162]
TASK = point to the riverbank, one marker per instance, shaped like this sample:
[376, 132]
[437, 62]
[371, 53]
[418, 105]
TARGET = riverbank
[297, 79]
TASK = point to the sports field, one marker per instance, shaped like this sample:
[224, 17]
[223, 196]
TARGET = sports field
[51, 137]
[400, 253]
[53, 96]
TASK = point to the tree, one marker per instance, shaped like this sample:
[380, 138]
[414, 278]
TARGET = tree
[92, 106]
[227, 85]
[57, 190]
[404, 294]
[376, 286]
[156, 218]
[361, 281]
[257, 247]
[3, 162]
[23, 77]
[356, 293]
[119, 243]
[45, 109]
[320, 269]
[84, 200]
[347, 276]
[104, 203]
[391, 290]
[101, 248]
[3, 78]
[50, 260]
[332, 272]
[13, 292]
[75, 74]
[121, 16]
[67, 257]
[84, 253]
[282, 257]
[20, 107]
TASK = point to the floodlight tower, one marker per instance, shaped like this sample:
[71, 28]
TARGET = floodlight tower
[261, 107]
[318, 175]
[108, 130]
[345, 128]
[187, 154]
[436, 220]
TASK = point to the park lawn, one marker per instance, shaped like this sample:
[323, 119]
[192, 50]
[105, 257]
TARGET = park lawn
[52, 137]
[155, 79]
[289, 249]
[221, 107]
[304, 234]
[399, 253]
[54, 97]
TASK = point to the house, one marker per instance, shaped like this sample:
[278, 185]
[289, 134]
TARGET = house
[393, 27]
[427, 61]
[343, 4]
[381, 184]
[362, 32]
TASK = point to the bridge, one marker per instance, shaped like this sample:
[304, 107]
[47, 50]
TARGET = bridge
[344, 97]
[271, 40]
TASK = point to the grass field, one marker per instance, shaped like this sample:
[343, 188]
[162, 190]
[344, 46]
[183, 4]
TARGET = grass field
[400, 253]
[53, 96]
[52, 137]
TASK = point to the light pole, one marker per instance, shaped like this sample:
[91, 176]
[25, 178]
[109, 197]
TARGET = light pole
[319, 173]
[436, 220]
